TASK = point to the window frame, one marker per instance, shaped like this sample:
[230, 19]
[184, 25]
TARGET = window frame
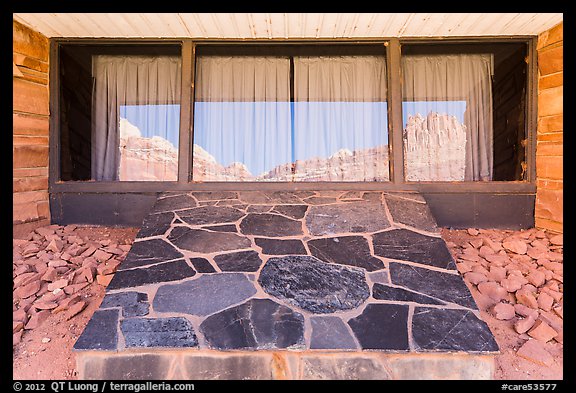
[392, 47]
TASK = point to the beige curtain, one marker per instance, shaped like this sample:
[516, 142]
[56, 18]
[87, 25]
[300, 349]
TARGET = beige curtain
[444, 144]
[131, 80]
[242, 129]
[340, 118]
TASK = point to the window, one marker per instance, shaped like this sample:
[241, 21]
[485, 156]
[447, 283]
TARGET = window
[120, 115]
[463, 112]
[290, 112]
[291, 115]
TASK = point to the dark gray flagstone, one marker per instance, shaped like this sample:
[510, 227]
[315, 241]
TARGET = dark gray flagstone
[101, 332]
[210, 215]
[330, 333]
[155, 224]
[382, 326]
[345, 250]
[411, 213]
[242, 261]
[271, 225]
[214, 195]
[436, 329]
[293, 211]
[173, 203]
[134, 304]
[356, 217]
[168, 271]
[174, 332]
[222, 228]
[280, 247]
[444, 286]
[202, 265]
[407, 245]
[204, 295]
[386, 292]
[199, 240]
[147, 252]
[256, 324]
[313, 285]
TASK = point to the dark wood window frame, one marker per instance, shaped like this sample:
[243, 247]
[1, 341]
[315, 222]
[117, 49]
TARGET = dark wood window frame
[392, 48]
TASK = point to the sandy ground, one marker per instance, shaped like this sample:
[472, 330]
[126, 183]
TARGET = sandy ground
[54, 360]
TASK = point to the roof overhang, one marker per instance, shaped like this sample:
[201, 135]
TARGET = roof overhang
[282, 26]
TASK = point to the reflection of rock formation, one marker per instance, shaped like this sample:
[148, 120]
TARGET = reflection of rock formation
[156, 159]
[360, 165]
[434, 148]
[146, 159]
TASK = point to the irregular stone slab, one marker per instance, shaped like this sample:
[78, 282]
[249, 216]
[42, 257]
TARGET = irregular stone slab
[202, 265]
[155, 224]
[437, 329]
[353, 217]
[345, 250]
[445, 286]
[372, 196]
[198, 240]
[174, 332]
[222, 228]
[243, 261]
[259, 208]
[210, 215]
[169, 194]
[412, 213]
[344, 368]
[204, 295]
[274, 197]
[148, 252]
[174, 203]
[214, 195]
[169, 271]
[351, 195]
[271, 225]
[313, 285]
[414, 247]
[320, 200]
[380, 277]
[101, 332]
[293, 211]
[413, 196]
[330, 333]
[281, 247]
[386, 292]
[134, 304]
[382, 326]
[256, 324]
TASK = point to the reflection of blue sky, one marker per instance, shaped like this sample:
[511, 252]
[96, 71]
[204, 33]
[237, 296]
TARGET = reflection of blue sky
[453, 108]
[154, 120]
[260, 134]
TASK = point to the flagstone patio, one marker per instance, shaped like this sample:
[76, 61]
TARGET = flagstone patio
[312, 284]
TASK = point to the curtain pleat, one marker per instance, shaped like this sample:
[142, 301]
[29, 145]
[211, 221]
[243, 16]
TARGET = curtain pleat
[447, 107]
[143, 86]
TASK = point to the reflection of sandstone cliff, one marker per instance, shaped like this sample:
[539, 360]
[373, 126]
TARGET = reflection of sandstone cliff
[156, 159]
[146, 159]
[434, 148]
[344, 165]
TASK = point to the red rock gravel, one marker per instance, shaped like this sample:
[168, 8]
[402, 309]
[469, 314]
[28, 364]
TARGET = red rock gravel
[516, 277]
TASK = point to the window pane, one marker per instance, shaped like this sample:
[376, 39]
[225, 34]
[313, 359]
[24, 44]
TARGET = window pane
[242, 126]
[340, 118]
[247, 128]
[136, 117]
[447, 116]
